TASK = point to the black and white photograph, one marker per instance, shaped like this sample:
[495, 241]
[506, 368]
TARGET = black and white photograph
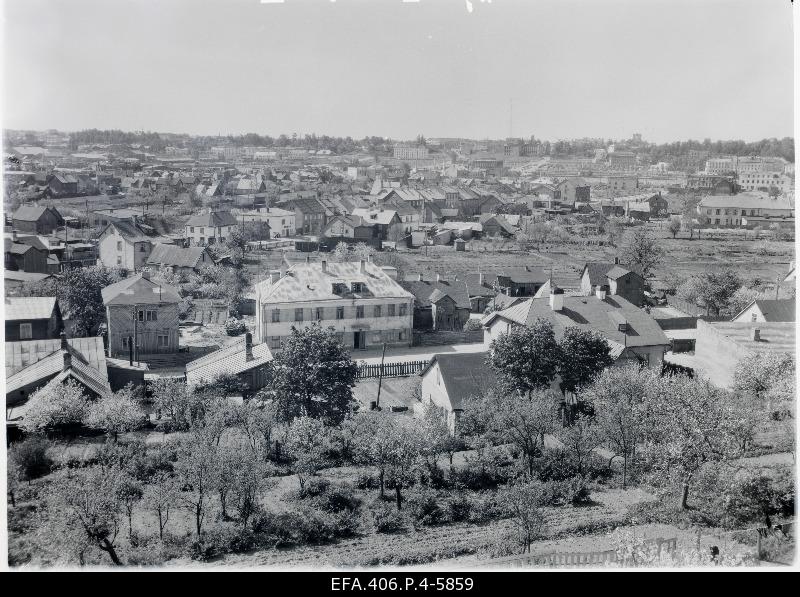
[407, 294]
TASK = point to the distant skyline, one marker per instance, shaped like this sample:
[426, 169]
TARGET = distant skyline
[668, 69]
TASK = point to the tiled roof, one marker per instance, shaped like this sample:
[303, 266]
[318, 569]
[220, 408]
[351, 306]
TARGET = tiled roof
[589, 312]
[464, 375]
[139, 290]
[307, 282]
[230, 359]
[26, 352]
[212, 219]
[173, 255]
[426, 293]
[29, 307]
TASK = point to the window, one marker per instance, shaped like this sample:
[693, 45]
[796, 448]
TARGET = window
[360, 312]
[276, 315]
[191, 229]
[25, 331]
[358, 287]
[125, 343]
[390, 311]
[162, 341]
[403, 309]
[119, 245]
[142, 248]
[716, 221]
[339, 312]
[378, 311]
[320, 313]
[275, 342]
[151, 315]
[202, 230]
[140, 315]
[119, 260]
[298, 314]
[754, 317]
[202, 240]
[717, 212]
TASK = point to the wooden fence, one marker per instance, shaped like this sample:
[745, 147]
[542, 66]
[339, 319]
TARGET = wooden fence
[567, 559]
[390, 369]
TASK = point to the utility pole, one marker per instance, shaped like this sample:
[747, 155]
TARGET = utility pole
[380, 379]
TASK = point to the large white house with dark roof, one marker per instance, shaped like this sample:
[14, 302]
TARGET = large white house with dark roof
[363, 303]
[210, 228]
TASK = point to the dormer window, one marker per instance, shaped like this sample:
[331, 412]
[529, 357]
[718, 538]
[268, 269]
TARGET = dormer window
[339, 288]
[357, 286]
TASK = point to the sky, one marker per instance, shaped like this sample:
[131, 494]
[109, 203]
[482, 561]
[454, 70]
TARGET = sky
[557, 69]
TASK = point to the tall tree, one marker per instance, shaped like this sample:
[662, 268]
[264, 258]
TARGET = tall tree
[643, 251]
[584, 354]
[526, 358]
[313, 375]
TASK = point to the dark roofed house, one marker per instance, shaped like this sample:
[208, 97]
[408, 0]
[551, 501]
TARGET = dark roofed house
[768, 310]
[210, 228]
[33, 219]
[179, 259]
[439, 304]
[32, 318]
[246, 361]
[63, 185]
[23, 257]
[615, 279]
[448, 380]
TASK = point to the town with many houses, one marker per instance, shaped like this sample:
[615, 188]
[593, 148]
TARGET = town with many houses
[411, 339]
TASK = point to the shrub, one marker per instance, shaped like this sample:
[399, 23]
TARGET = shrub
[235, 327]
[487, 507]
[459, 508]
[30, 455]
[387, 519]
[338, 499]
[426, 510]
[314, 487]
[367, 481]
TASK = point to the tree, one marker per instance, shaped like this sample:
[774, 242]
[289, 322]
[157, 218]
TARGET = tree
[584, 354]
[160, 496]
[172, 398]
[306, 442]
[523, 502]
[436, 436]
[760, 373]
[116, 413]
[249, 480]
[362, 251]
[618, 400]
[741, 299]
[79, 295]
[56, 405]
[195, 468]
[526, 358]
[341, 252]
[690, 423]
[29, 457]
[711, 289]
[313, 375]
[404, 446]
[674, 225]
[85, 506]
[643, 251]
[129, 492]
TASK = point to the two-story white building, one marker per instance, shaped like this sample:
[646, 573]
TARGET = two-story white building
[362, 302]
[210, 228]
[280, 221]
[746, 210]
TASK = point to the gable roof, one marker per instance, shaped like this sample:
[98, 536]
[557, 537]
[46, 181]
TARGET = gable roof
[132, 231]
[427, 292]
[230, 359]
[29, 307]
[463, 375]
[774, 310]
[32, 213]
[25, 353]
[589, 312]
[212, 219]
[139, 290]
[600, 271]
[175, 256]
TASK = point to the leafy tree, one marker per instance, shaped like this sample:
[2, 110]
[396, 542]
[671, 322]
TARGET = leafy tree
[584, 354]
[172, 398]
[313, 375]
[642, 250]
[363, 251]
[160, 495]
[78, 291]
[711, 289]
[249, 480]
[526, 358]
[523, 502]
[341, 252]
[195, 469]
[117, 413]
[741, 298]
[29, 457]
[85, 506]
[690, 423]
[129, 492]
[56, 405]
[307, 442]
[579, 440]
[618, 398]
[759, 374]
[404, 444]
[674, 225]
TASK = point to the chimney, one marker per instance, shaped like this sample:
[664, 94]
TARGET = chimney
[248, 346]
[756, 335]
[324, 264]
[616, 260]
[63, 336]
[14, 235]
[67, 360]
[556, 298]
[146, 275]
[362, 266]
[274, 276]
[419, 277]
[601, 292]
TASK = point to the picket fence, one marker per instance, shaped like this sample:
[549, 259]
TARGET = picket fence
[390, 369]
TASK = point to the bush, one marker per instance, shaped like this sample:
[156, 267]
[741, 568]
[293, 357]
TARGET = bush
[387, 519]
[338, 499]
[569, 491]
[314, 487]
[30, 455]
[476, 476]
[367, 481]
[425, 509]
[487, 507]
[459, 508]
[235, 327]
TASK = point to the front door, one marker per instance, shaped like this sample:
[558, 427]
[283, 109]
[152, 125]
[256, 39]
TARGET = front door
[356, 339]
